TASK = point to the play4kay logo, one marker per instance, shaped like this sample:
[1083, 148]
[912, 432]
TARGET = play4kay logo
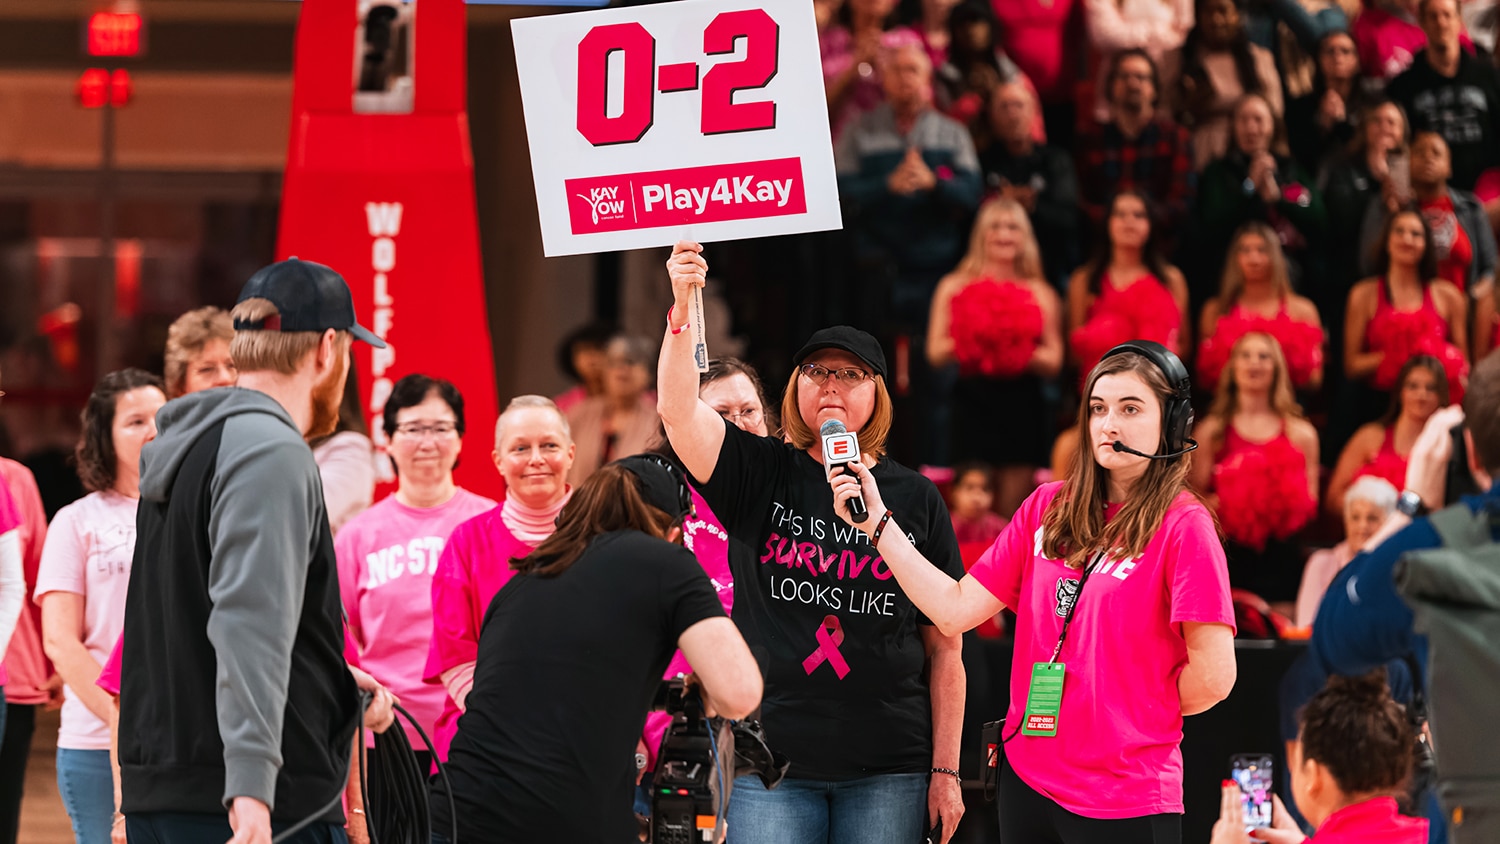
[718, 193]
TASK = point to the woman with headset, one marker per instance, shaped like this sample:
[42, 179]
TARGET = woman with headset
[1124, 623]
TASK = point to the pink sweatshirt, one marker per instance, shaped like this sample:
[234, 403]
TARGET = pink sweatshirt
[387, 556]
[474, 565]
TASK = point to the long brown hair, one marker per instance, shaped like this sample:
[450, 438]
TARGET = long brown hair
[1233, 280]
[1227, 397]
[872, 435]
[609, 500]
[1073, 527]
[1434, 368]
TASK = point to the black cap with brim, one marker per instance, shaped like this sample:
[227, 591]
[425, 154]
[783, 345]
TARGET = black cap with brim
[308, 297]
[849, 339]
[662, 487]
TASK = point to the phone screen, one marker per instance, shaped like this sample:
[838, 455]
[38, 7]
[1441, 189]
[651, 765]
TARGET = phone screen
[1253, 774]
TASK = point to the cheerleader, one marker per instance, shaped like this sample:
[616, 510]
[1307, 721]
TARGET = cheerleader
[999, 319]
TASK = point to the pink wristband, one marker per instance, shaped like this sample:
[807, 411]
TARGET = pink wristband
[679, 329]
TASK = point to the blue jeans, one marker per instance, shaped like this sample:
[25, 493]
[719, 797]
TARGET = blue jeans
[88, 793]
[883, 809]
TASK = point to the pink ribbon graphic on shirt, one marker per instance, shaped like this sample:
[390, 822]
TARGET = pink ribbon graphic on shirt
[830, 635]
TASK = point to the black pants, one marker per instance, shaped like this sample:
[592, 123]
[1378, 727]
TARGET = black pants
[15, 751]
[1027, 817]
[192, 828]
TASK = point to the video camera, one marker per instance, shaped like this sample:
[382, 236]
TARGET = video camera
[696, 766]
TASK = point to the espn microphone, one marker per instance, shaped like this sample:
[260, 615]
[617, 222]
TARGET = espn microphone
[841, 447]
[1119, 446]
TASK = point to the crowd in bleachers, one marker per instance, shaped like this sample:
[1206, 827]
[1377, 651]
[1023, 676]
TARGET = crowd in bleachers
[1026, 183]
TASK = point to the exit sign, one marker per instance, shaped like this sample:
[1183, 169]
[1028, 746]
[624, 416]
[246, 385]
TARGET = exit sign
[119, 34]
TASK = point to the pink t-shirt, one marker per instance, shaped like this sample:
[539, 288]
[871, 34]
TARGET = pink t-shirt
[26, 669]
[1117, 752]
[387, 556]
[109, 676]
[10, 522]
[706, 538]
[88, 552]
[1387, 43]
[474, 565]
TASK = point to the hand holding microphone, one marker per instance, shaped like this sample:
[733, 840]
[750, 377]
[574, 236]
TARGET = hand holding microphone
[854, 492]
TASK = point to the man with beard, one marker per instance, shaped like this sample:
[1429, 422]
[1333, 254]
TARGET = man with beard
[1137, 147]
[234, 692]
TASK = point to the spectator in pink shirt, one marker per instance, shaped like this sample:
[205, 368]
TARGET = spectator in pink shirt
[534, 453]
[30, 682]
[388, 554]
[81, 586]
[1122, 531]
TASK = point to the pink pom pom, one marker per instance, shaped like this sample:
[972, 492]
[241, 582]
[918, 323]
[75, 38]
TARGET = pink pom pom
[996, 327]
[1301, 344]
[1263, 493]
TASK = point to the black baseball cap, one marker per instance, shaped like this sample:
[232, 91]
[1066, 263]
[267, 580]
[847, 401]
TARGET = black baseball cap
[849, 339]
[662, 484]
[309, 297]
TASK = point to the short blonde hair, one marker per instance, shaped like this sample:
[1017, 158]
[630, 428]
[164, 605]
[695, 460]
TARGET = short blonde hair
[186, 337]
[872, 434]
[531, 402]
[273, 351]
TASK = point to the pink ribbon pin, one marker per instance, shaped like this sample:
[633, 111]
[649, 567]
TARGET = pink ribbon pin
[830, 635]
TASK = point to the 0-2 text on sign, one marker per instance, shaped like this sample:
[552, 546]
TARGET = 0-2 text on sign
[690, 118]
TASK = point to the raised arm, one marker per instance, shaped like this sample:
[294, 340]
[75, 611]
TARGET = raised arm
[695, 431]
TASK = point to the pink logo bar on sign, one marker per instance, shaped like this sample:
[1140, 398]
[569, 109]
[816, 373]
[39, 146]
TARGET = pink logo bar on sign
[713, 194]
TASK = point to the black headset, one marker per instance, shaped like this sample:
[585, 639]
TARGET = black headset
[1177, 416]
[685, 508]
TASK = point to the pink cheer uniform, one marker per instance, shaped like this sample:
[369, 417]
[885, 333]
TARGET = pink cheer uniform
[387, 556]
[474, 565]
[1117, 752]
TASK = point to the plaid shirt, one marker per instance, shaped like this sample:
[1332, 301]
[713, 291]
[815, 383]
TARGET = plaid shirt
[1159, 161]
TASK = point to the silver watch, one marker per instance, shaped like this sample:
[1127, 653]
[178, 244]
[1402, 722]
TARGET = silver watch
[1410, 505]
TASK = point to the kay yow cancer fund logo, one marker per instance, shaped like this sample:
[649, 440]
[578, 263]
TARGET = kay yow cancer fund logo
[604, 203]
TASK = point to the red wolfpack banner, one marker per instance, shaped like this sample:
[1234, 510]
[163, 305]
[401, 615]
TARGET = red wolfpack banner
[387, 199]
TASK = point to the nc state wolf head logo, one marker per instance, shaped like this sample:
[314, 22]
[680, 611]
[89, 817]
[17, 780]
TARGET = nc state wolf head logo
[1067, 593]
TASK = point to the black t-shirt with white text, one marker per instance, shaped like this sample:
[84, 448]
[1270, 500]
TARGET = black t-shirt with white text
[1465, 110]
[567, 670]
[835, 636]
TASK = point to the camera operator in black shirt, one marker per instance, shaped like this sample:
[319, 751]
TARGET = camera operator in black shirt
[571, 653]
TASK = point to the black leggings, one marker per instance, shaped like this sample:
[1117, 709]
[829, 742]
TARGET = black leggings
[1027, 817]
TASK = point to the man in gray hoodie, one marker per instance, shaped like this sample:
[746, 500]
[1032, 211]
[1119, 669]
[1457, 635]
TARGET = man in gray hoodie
[234, 691]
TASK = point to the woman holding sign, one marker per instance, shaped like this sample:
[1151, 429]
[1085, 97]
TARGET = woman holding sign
[862, 693]
[1123, 619]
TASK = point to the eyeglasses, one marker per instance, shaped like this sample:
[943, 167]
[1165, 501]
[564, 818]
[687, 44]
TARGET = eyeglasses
[848, 375]
[749, 416]
[421, 430]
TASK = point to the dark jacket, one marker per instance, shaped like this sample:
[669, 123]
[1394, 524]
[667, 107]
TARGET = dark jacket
[233, 681]
[1470, 213]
